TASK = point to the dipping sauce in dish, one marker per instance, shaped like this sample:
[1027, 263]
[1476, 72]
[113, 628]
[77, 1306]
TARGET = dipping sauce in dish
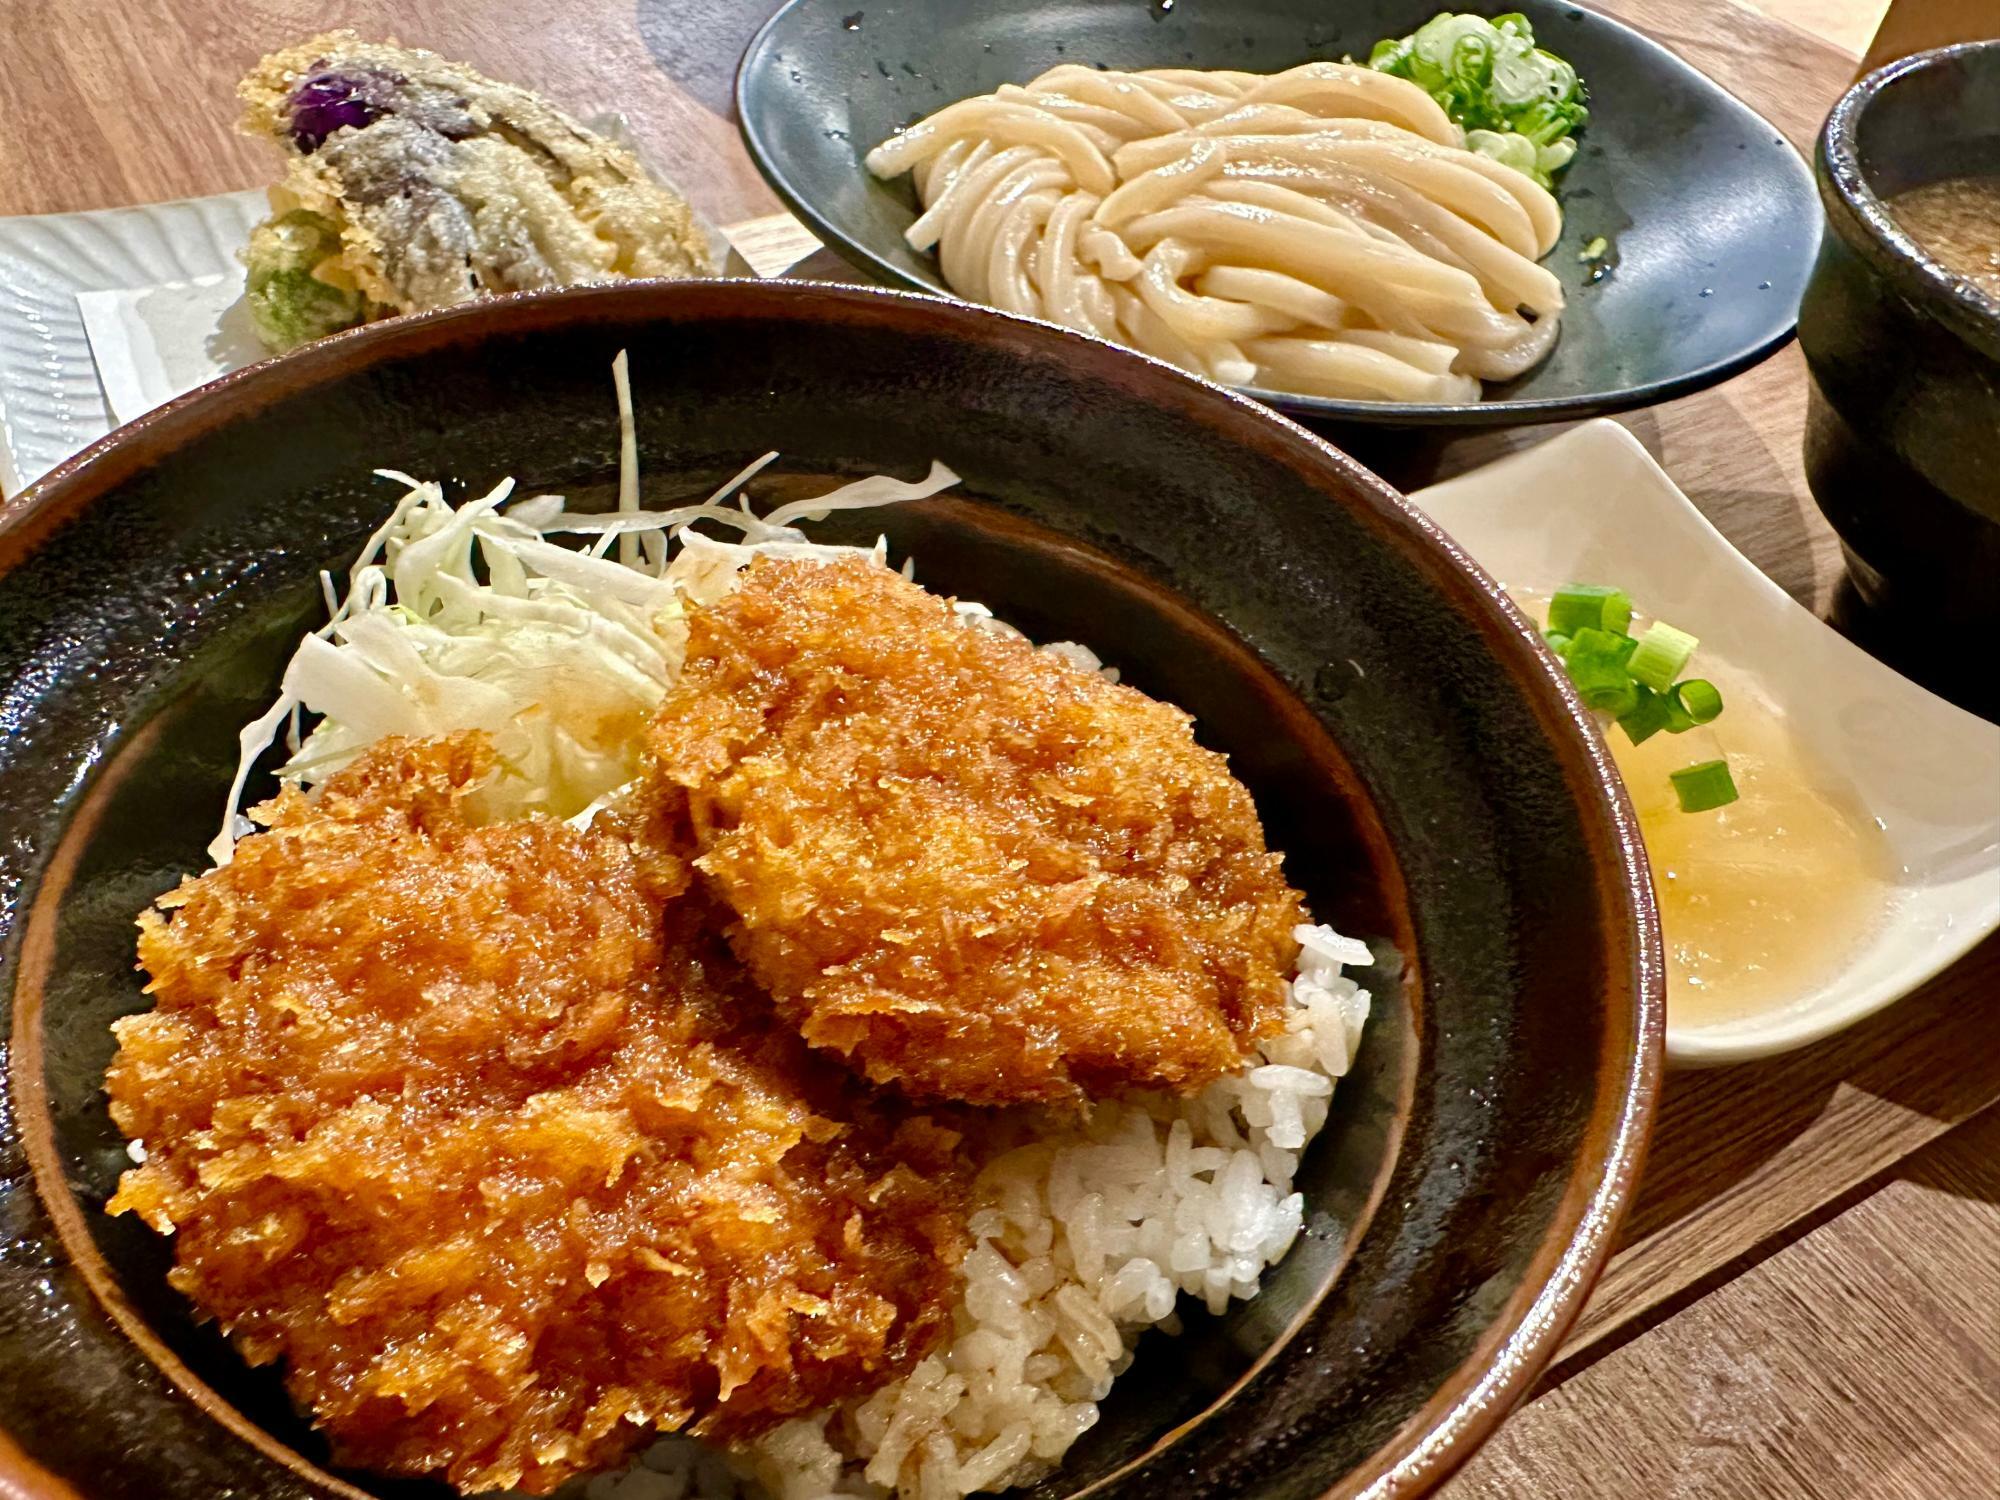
[1761, 901]
[1957, 220]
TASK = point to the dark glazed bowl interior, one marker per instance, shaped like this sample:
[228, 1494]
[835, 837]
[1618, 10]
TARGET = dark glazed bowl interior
[1708, 209]
[1904, 359]
[1411, 753]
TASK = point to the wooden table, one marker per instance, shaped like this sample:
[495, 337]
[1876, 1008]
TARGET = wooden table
[1807, 1299]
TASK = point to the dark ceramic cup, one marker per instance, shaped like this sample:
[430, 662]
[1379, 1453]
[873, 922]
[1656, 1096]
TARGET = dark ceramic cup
[1902, 443]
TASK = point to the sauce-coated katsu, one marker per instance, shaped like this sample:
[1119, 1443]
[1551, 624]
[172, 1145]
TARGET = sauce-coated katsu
[974, 868]
[716, 1007]
[483, 1133]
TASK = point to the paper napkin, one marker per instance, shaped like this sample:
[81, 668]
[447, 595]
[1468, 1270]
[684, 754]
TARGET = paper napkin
[151, 344]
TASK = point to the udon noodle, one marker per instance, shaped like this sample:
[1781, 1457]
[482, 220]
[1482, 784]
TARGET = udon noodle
[1321, 231]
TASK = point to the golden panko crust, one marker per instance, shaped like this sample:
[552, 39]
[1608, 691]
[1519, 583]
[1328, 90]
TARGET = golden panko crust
[507, 1171]
[973, 868]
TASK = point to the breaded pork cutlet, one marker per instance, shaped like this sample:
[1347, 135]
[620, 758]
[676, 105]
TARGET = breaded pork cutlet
[508, 1172]
[973, 868]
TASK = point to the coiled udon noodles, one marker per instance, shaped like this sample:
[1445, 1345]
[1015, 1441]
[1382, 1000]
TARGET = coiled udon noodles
[1320, 231]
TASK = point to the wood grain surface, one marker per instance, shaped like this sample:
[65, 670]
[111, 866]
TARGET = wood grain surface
[1806, 1301]
[1858, 1358]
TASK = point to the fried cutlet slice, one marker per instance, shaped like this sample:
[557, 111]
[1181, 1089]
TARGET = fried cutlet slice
[415, 182]
[508, 1170]
[971, 867]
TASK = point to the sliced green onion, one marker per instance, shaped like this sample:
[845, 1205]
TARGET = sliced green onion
[1662, 652]
[1593, 644]
[1594, 250]
[1647, 718]
[1577, 605]
[1616, 699]
[1603, 645]
[1599, 681]
[1596, 662]
[1632, 681]
[1704, 786]
[1516, 102]
[1699, 699]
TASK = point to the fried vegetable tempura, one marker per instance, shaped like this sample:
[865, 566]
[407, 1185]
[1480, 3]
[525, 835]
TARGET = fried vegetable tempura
[414, 182]
[507, 1172]
[972, 867]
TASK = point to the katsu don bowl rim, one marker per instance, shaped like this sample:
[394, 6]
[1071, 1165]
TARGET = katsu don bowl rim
[1467, 1405]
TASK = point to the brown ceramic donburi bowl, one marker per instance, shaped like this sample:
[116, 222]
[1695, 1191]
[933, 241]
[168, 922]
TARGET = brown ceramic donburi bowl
[1413, 754]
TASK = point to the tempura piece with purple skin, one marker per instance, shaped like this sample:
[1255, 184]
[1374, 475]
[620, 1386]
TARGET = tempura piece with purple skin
[430, 185]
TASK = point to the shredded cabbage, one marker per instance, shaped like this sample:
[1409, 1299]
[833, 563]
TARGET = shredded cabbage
[470, 617]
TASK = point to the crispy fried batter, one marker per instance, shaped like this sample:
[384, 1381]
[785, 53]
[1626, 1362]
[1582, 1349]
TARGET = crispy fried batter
[505, 1173]
[971, 866]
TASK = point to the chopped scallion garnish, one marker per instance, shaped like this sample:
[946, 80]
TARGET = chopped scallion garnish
[1647, 718]
[1578, 605]
[1517, 103]
[1704, 786]
[1589, 644]
[1699, 699]
[1661, 654]
[1596, 661]
[1632, 681]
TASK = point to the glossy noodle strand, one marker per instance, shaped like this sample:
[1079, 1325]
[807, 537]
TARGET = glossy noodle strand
[1321, 231]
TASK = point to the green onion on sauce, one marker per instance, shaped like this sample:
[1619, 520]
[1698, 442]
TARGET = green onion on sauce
[1704, 786]
[1634, 681]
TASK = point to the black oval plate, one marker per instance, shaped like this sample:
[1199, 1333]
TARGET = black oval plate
[1711, 214]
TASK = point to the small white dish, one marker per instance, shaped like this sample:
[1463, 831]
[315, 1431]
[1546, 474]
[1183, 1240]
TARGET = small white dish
[1592, 505]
